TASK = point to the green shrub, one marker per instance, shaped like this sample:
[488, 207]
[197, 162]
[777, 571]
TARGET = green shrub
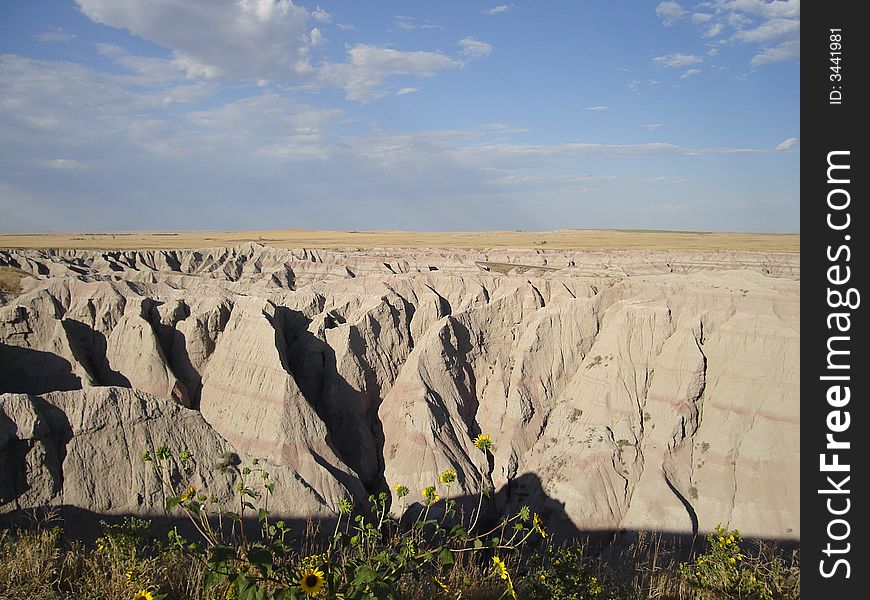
[368, 557]
[725, 568]
[566, 574]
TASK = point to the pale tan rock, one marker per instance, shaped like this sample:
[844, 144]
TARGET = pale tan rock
[84, 449]
[623, 390]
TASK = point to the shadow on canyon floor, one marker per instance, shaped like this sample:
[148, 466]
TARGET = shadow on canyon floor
[85, 525]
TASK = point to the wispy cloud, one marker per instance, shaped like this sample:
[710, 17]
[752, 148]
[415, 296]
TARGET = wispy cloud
[496, 10]
[785, 51]
[670, 12]
[407, 90]
[321, 16]
[473, 48]
[600, 107]
[786, 144]
[55, 35]
[690, 73]
[714, 30]
[773, 26]
[677, 60]
[406, 23]
[368, 67]
[653, 126]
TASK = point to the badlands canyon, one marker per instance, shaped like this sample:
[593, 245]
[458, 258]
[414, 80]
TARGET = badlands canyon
[623, 390]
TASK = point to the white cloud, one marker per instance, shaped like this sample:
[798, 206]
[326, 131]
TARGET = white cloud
[345, 26]
[316, 37]
[497, 9]
[473, 48]
[737, 20]
[653, 126]
[690, 73]
[652, 82]
[670, 12]
[410, 23]
[600, 107]
[714, 30]
[633, 85]
[785, 51]
[321, 16]
[668, 179]
[66, 164]
[55, 35]
[247, 39]
[281, 156]
[761, 23]
[712, 52]
[769, 31]
[784, 9]
[677, 60]
[537, 180]
[369, 66]
[786, 144]
[407, 90]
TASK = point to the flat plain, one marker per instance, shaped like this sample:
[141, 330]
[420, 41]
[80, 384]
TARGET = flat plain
[567, 239]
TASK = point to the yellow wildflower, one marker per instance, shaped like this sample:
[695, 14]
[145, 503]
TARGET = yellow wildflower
[143, 595]
[312, 582]
[430, 495]
[500, 568]
[538, 525]
[447, 477]
[188, 494]
[483, 443]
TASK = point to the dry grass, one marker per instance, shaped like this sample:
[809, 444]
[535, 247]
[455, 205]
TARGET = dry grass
[36, 565]
[10, 280]
[591, 239]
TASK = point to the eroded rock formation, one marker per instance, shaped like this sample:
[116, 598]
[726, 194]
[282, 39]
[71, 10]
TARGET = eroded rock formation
[623, 390]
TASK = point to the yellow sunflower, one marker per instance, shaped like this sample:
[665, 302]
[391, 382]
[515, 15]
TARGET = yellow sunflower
[312, 582]
[188, 494]
[447, 477]
[500, 568]
[483, 443]
[539, 525]
[143, 595]
[430, 495]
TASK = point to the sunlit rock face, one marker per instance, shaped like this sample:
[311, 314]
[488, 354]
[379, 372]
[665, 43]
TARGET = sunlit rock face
[622, 390]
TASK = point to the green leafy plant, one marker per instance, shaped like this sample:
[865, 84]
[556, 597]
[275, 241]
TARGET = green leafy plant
[725, 568]
[367, 557]
[565, 574]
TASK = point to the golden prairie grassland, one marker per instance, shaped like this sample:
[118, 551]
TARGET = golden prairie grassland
[10, 279]
[575, 239]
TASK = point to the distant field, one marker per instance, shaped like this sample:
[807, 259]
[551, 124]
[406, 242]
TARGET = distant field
[587, 239]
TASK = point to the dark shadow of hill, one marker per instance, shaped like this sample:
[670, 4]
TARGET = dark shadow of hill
[28, 371]
[611, 545]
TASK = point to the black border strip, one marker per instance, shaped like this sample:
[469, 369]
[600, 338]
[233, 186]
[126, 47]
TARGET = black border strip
[833, 220]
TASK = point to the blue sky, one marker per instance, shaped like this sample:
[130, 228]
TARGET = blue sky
[425, 115]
